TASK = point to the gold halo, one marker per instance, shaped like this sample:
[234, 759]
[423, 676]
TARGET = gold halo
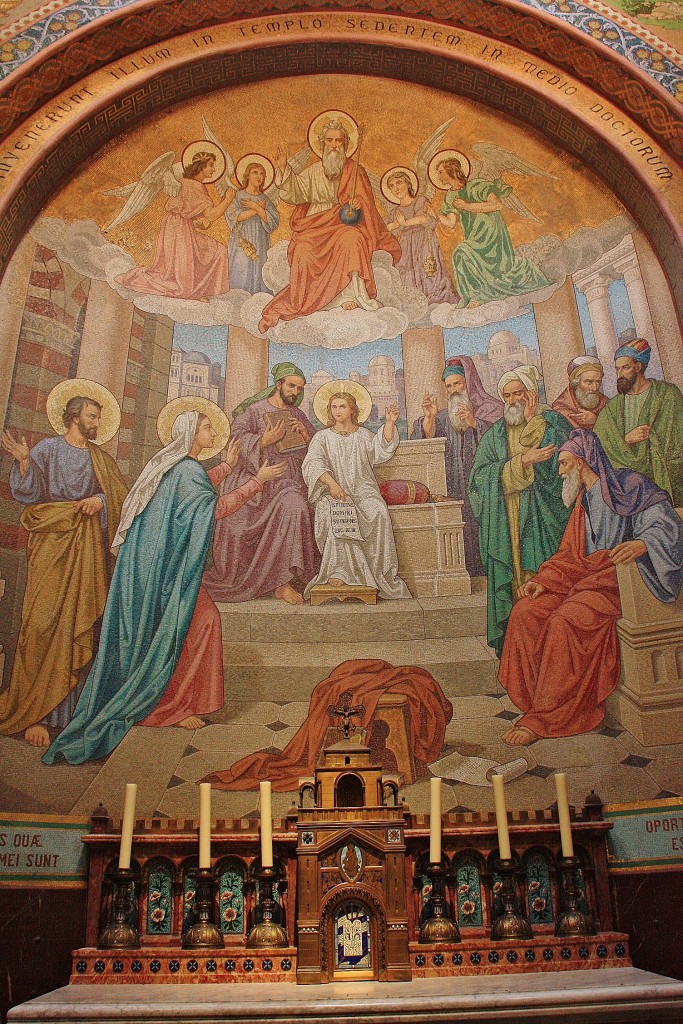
[389, 174]
[341, 117]
[204, 146]
[447, 154]
[255, 158]
[194, 403]
[110, 418]
[325, 392]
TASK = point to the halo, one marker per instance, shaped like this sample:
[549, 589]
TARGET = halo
[341, 117]
[204, 146]
[255, 158]
[325, 392]
[447, 154]
[389, 174]
[80, 387]
[194, 403]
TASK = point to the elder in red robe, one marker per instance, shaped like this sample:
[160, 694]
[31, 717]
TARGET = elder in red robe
[366, 681]
[560, 659]
[327, 257]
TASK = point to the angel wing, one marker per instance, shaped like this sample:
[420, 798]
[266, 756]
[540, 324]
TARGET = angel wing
[491, 162]
[225, 180]
[163, 174]
[424, 154]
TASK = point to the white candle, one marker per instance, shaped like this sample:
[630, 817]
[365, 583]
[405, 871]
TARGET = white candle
[563, 814]
[127, 825]
[501, 816]
[435, 821]
[266, 826]
[204, 824]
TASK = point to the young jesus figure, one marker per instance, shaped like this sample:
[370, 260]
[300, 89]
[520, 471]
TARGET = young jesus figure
[338, 467]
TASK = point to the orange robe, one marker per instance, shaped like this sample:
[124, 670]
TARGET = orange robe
[366, 681]
[323, 253]
[560, 660]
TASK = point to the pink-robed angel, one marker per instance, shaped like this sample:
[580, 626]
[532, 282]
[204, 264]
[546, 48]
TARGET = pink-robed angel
[188, 264]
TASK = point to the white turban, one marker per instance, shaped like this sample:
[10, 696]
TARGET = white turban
[145, 487]
[528, 376]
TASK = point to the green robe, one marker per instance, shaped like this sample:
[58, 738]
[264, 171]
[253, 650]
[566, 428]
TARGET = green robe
[485, 264]
[542, 515]
[661, 457]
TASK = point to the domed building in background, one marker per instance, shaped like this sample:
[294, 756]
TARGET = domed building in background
[193, 373]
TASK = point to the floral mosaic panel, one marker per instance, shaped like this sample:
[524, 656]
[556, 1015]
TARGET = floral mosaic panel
[539, 892]
[189, 902]
[468, 886]
[159, 902]
[231, 899]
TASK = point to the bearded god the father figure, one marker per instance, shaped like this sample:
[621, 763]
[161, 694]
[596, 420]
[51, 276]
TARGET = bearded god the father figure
[330, 262]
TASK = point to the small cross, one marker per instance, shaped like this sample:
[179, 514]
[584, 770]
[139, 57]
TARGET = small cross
[346, 712]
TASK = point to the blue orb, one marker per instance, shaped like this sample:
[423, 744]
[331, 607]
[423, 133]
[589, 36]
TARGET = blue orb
[350, 216]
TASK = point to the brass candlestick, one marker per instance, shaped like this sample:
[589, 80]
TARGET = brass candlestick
[571, 920]
[510, 924]
[204, 933]
[440, 927]
[119, 934]
[266, 932]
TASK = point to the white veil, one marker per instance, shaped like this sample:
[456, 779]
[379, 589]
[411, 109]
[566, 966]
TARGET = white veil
[145, 487]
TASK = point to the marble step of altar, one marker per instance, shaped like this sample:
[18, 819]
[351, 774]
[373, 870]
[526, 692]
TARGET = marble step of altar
[271, 648]
[615, 995]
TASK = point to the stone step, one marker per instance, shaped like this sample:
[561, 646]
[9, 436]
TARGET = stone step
[278, 670]
[269, 620]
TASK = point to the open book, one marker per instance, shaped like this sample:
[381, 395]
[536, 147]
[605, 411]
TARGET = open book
[291, 441]
[344, 520]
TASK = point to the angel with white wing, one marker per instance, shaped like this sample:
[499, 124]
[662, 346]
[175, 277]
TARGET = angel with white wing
[188, 264]
[413, 222]
[485, 264]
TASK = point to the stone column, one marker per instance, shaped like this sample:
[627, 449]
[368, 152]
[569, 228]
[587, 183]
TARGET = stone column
[423, 363]
[665, 324]
[596, 289]
[640, 308]
[13, 292]
[105, 339]
[246, 367]
[560, 337]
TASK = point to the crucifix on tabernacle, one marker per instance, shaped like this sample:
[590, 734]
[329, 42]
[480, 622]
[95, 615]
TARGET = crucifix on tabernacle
[346, 712]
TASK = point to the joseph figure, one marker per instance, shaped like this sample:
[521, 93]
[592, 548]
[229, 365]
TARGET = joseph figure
[73, 492]
[268, 546]
[516, 494]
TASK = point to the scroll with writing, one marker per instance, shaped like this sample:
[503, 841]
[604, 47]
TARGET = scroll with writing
[291, 440]
[344, 520]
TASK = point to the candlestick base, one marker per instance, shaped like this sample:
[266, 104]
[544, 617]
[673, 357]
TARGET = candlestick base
[571, 920]
[266, 932]
[119, 933]
[204, 933]
[440, 926]
[509, 924]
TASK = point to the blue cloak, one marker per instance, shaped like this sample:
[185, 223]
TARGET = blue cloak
[147, 617]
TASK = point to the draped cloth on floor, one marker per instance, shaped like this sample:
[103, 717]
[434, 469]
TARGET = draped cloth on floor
[366, 680]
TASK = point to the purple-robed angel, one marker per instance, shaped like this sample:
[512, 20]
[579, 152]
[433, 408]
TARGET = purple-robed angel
[469, 414]
[269, 542]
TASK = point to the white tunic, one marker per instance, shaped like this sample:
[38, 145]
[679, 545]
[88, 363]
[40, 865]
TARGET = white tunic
[371, 561]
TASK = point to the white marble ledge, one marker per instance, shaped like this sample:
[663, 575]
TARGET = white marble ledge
[619, 996]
